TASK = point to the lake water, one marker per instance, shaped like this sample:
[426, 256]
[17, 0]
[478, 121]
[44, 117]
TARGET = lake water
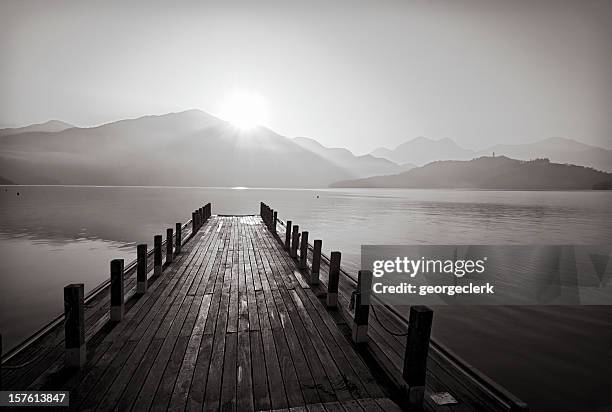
[555, 358]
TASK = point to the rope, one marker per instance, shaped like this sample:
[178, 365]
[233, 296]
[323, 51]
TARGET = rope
[384, 327]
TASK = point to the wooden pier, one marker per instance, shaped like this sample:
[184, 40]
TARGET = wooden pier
[243, 314]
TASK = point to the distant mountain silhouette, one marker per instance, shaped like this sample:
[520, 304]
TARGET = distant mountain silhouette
[421, 151]
[50, 126]
[500, 173]
[190, 148]
[4, 181]
[360, 166]
[557, 149]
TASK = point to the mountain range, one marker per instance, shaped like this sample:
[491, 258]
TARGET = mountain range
[50, 126]
[194, 148]
[422, 150]
[190, 148]
[499, 173]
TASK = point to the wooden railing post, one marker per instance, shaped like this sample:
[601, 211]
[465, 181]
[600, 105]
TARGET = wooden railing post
[304, 251]
[316, 262]
[332, 282]
[208, 211]
[194, 223]
[157, 255]
[274, 219]
[362, 307]
[288, 235]
[415, 356]
[169, 242]
[179, 239]
[74, 325]
[261, 209]
[116, 290]
[141, 269]
[295, 239]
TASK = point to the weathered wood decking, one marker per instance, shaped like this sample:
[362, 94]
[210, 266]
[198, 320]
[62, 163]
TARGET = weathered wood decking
[233, 324]
[230, 324]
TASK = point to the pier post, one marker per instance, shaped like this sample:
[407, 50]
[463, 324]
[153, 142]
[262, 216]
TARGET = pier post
[332, 282]
[74, 325]
[201, 212]
[274, 219]
[116, 289]
[288, 235]
[295, 239]
[261, 208]
[304, 251]
[316, 262]
[141, 269]
[169, 239]
[208, 210]
[157, 255]
[194, 223]
[415, 357]
[359, 331]
[179, 238]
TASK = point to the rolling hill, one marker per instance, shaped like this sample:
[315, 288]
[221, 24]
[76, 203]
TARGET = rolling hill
[500, 173]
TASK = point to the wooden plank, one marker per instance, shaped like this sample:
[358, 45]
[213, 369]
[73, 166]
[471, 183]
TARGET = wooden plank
[228, 389]
[306, 381]
[278, 396]
[261, 393]
[244, 382]
[185, 374]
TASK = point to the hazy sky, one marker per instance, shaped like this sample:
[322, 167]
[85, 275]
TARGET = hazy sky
[353, 74]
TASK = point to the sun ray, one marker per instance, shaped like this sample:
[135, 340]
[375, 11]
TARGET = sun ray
[245, 110]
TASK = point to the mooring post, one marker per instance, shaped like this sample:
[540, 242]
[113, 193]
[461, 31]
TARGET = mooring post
[0, 362]
[316, 262]
[288, 235]
[116, 290]
[157, 255]
[362, 307]
[304, 251]
[332, 282]
[179, 238]
[141, 269]
[415, 356]
[169, 243]
[74, 325]
[295, 239]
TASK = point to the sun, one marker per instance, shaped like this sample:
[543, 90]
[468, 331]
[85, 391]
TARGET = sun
[245, 110]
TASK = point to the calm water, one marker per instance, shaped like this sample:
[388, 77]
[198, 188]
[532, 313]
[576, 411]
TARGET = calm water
[555, 358]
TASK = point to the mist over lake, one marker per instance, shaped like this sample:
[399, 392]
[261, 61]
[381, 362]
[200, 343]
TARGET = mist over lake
[54, 235]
